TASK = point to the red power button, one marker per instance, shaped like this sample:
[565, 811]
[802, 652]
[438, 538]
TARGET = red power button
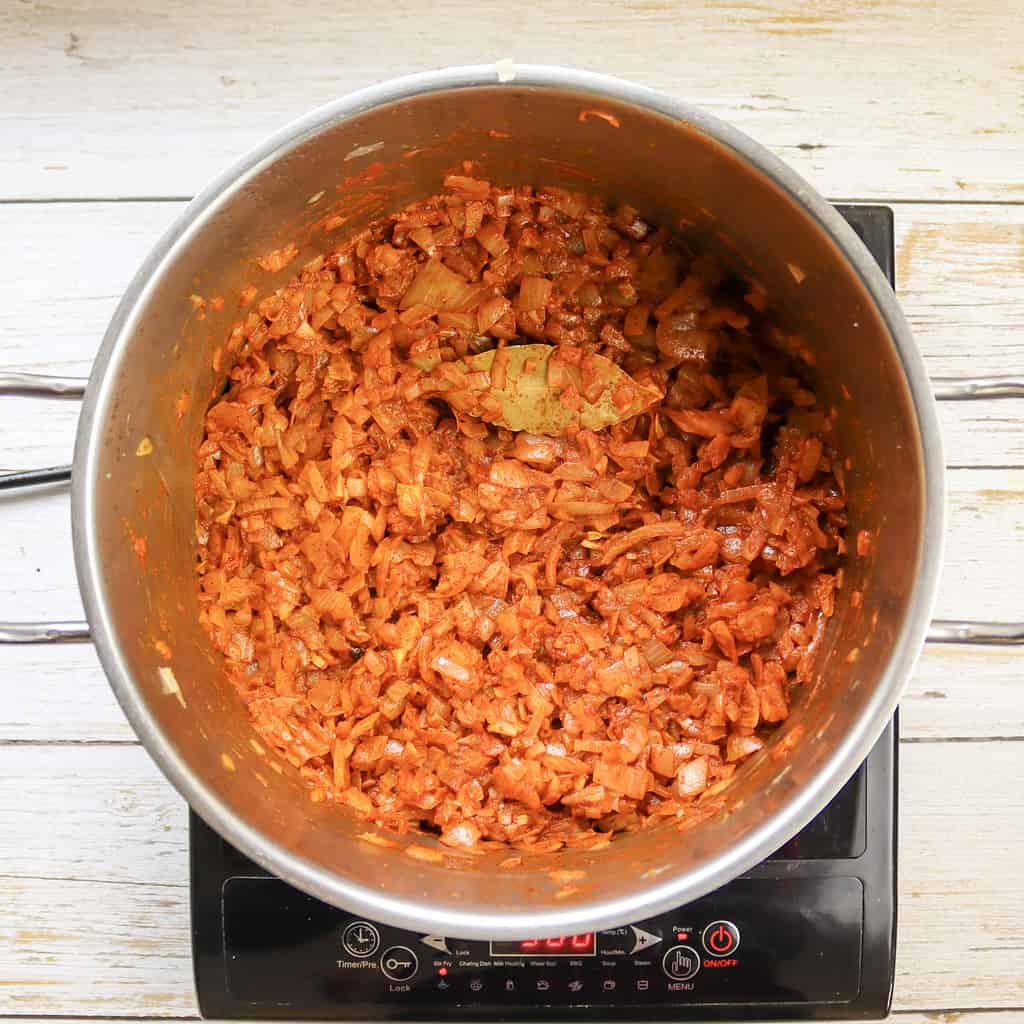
[720, 938]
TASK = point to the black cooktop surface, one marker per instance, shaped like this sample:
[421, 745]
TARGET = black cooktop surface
[808, 933]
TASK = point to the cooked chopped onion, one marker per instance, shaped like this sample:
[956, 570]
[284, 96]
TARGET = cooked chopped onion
[438, 287]
[738, 747]
[656, 653]
[534, 293]
[495, 636]
[692, 777]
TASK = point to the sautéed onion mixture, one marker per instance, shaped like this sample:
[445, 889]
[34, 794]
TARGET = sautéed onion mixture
[527, 597]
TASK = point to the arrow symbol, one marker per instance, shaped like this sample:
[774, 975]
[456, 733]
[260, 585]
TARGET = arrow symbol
[438, 942]
[644, 939]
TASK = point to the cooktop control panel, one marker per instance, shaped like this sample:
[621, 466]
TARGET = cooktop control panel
[756, 941]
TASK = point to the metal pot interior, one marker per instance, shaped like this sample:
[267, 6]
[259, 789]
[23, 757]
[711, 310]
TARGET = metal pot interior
[359, 160]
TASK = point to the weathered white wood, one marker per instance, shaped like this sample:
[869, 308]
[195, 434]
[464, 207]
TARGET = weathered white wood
[142, 98]
[61, 693]
[111, 816]
[64, 266]
[94, 917]
[95, 948]
[959, 278]
[984, 554]
[904, 100]
[973, 432]
[961, 835]
[965, 692]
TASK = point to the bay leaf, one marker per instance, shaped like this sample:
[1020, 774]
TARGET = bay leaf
[537, 392]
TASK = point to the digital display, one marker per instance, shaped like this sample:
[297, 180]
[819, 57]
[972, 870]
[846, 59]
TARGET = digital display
[564, 945]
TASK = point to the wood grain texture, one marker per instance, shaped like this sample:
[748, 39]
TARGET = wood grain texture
[95, 948]
[868, 99]
[65, 266]
[901, 100]
[95, 915]
[958, 272]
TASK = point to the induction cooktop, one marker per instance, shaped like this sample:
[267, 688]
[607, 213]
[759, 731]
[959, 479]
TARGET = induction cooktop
[808, 933]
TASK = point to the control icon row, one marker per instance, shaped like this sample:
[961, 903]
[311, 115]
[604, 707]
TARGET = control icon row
[361, 939]
[544, 985]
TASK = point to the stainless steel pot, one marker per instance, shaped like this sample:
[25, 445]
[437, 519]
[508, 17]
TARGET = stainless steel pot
[366, 155]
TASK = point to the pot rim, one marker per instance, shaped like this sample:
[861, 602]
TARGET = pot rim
[593, 914]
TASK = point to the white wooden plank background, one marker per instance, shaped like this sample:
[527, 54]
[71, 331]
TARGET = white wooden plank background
[113, 112]
[895, 99]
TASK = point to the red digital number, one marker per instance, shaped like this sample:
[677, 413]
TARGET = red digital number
[563, 943]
